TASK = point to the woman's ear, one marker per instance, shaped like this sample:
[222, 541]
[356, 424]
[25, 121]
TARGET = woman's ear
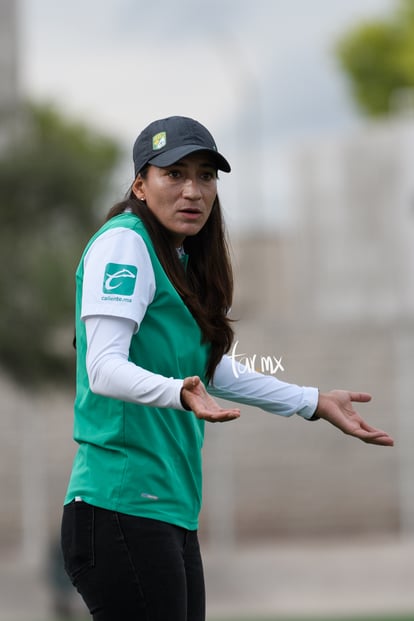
[138, 189]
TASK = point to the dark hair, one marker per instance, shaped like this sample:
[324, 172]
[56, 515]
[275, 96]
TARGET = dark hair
[206, 286]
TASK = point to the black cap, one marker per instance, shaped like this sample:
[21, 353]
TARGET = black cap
[166, 141]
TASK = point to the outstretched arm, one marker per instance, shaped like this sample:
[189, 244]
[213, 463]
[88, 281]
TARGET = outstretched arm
[234, 383]
[336, 407]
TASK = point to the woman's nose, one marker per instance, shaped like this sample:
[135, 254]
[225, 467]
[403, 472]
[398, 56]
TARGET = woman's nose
[191, 189]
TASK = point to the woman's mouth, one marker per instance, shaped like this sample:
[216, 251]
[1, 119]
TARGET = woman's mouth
[191, 212]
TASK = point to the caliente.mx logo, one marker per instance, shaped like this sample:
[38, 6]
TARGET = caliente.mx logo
[120, 279]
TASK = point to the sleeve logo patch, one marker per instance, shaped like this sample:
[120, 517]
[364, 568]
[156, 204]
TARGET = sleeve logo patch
[119, 279]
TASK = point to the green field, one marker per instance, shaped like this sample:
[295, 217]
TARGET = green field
[409, 617]
[366, 618]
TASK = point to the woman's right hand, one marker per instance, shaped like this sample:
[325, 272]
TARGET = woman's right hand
[195, 397]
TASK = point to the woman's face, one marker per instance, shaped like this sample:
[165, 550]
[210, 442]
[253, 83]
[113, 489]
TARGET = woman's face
[181, 196]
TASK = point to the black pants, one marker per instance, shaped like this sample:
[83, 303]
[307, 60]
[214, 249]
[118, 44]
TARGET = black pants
[130, 569]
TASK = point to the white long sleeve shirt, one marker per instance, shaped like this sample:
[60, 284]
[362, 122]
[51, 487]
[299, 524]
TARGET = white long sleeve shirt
[108, 340]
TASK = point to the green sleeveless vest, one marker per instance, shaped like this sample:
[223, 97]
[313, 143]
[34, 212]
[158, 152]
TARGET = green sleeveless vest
[137, 459]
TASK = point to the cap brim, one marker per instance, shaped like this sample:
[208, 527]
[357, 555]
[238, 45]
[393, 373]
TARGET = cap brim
[172, 156]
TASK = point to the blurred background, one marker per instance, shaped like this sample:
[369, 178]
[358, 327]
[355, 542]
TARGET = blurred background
[313, 104]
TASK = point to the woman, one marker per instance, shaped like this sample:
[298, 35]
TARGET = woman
[154, 287]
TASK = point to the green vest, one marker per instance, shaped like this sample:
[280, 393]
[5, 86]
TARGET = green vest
[137, 459]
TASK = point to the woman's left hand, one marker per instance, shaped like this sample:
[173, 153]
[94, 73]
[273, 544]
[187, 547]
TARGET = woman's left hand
[195, 397]
[336, 407]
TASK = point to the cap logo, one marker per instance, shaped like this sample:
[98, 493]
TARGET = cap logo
[159, 141]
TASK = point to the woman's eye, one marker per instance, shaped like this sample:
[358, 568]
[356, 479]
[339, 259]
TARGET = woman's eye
[174, 174]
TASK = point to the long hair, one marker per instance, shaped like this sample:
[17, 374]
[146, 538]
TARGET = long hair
[206, 286]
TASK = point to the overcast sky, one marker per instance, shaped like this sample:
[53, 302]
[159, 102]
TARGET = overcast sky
[259, 73]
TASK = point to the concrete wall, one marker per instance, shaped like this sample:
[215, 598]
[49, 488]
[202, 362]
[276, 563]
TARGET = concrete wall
[335, 298]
